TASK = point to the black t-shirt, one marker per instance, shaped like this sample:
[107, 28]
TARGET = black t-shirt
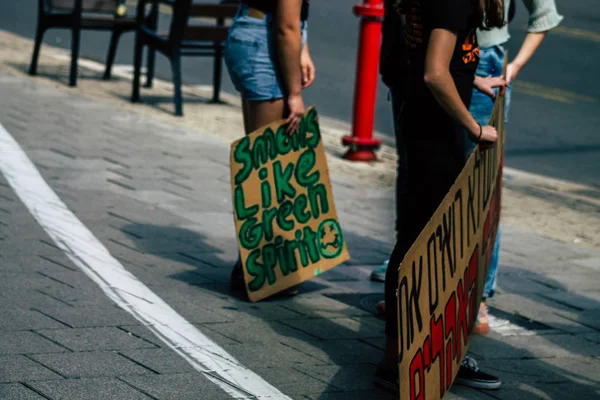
[268, 6]
[422, 16]
[392, 61]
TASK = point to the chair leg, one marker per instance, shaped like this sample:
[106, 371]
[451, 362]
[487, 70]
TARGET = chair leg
[137, 66]
[150, 67]
[176, 67]
[74, 56]
[217, 72]
[39, 36]
[112, 51]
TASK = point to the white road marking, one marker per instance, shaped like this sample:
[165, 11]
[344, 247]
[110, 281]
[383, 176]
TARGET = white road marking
[88, 253]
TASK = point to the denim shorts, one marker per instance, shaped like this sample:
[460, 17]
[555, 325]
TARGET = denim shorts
[250, 56]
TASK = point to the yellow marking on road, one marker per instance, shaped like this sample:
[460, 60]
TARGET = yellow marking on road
[573, 33]
[560, 95]
[576, 33]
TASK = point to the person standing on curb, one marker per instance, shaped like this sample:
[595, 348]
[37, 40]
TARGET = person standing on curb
[441, 59]
[392, 68]
[543, 17]
[269, 63]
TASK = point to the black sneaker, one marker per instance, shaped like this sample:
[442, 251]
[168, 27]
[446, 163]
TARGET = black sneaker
[470, 375]
[237, 277]
[387, 379]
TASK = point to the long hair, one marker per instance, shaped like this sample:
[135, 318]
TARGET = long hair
[491, 13]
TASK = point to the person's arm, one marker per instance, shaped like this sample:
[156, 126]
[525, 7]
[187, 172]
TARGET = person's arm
[288, 41]
[488, 84]
[307, 67]
[439, 80]
[530, 45]
[543, 16]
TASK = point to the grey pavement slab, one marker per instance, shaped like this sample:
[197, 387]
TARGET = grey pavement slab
[295, 383]
[163, 361]
[27, 342]
[90, 339]
[86, 389]
[18, 391]
[19, 319]
[557, 390]
[345, 377]
[91, 364]
[89, 316]
[372, 394]
[338, 352]
[177, 387]
[19, 368]
[577, 370]
[335, 328]
[269, 355]
[536, 346]
[257, 331]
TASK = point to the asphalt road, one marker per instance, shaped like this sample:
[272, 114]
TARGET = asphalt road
[555, 108]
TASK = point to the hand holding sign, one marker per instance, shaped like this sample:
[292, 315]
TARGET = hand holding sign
[285, 218]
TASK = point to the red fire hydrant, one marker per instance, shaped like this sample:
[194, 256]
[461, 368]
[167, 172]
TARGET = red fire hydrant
[362, 144]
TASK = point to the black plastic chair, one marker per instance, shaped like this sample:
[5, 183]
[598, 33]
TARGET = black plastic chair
[78, 15]
[182, 39]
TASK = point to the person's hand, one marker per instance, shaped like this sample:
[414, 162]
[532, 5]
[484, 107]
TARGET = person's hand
[512, 70]
[307, 67]
[295, 107]
[485, 136]
[487, 85]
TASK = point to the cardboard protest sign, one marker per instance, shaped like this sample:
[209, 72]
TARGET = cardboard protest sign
[441, 279]
[285, 219]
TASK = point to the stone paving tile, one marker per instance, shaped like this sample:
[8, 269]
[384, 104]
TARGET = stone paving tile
[540, 310]
[86, 389]
[269, 355]
[90, 339]
[372, 394]
[177, 387]
[90, 364]
[258, 331]
[527, 391]
[339, 352]
[347, 377]
[93, 296]
[537, 346]
[294, 383]
[18, 368]
[17, 391]
[26, 342]
[589, 318]
[238, 311]
[89, 316]
[578, 370]
[19, 319]
[458, 392]
[322, 306]
[163, 361]
[25, 298]
[334, 328]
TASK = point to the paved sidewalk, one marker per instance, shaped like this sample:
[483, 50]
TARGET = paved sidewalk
[158, 198]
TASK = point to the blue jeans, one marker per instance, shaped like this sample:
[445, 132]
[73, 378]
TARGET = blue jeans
[491, 62]
[250, 56]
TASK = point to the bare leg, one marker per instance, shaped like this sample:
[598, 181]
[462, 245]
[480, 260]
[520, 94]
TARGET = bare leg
[261, 113]
[245, 114]
[256, 115]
